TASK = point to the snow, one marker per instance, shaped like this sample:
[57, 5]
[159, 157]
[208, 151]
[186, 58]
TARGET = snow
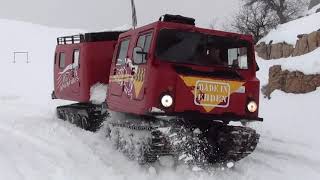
[230, 165]
[308, 63]
[98, 93]
[288, 32]
[314, 9]
[36, 145]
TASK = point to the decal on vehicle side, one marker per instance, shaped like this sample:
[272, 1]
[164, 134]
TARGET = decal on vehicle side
[129, 81]
[67, 77]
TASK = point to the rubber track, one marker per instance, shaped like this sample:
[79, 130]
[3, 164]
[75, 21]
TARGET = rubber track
[86, 116]
[233, 142]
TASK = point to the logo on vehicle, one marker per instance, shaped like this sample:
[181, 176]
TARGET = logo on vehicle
[212, 94]
[132, 78]
[67, 77]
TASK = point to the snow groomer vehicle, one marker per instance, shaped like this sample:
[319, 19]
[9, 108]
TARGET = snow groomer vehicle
[172, 90]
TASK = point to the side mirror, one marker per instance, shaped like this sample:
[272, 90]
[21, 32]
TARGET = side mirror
[257, 67]
[138, 55]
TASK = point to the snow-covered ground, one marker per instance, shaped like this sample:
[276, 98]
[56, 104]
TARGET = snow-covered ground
[37, 145]
[288, 32]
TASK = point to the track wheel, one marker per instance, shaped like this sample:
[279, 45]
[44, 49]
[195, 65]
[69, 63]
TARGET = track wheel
[83, 122]
[72, 119]
[61, 114]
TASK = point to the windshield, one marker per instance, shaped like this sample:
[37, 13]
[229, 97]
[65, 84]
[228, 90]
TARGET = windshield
[201, 49]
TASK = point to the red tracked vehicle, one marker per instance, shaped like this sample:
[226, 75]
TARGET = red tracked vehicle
[178, 84]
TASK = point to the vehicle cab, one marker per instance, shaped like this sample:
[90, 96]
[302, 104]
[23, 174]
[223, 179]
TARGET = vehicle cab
[173, 68]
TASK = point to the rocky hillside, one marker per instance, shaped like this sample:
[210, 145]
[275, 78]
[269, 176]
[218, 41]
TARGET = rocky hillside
[305, 44]
[293, 54]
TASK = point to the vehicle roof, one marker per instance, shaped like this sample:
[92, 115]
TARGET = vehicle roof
[172, 25]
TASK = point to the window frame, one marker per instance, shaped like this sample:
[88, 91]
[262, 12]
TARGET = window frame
[248, 45]
[119, 50]
[73, 60]
[145, 35]
[64, 63]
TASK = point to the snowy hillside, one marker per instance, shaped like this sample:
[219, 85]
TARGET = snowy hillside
[288, 32]
[37, 145]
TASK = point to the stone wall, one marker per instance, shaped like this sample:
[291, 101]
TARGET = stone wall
[290, 82]
[305, 44]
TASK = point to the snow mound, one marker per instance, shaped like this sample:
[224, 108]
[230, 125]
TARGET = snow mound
[98, 93]
[288, 32]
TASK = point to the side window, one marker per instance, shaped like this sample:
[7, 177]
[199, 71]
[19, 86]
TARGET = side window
[238, 58]
[147, 43]
[76, 58]
[144, 43]
[122, 52]
[62, 60]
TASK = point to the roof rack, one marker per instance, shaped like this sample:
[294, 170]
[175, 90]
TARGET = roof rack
[90, 37]
[70, 39]
[177, 19]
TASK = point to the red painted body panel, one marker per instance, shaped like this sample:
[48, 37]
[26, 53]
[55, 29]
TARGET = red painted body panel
[95, 62]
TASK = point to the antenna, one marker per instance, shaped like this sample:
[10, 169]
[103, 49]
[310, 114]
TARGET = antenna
[134, 15]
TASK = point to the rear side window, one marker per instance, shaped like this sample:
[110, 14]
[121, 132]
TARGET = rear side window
[62, 60]
[123, 51]
[144, 42]
[76, 58]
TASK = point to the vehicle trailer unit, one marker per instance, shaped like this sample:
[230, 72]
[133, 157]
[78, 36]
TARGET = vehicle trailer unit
[168, 82]
[80, 62]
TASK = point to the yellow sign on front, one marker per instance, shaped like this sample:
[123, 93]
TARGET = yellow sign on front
[209, 93]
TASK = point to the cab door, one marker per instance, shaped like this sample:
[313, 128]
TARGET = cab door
[140, 58]
[119, 69]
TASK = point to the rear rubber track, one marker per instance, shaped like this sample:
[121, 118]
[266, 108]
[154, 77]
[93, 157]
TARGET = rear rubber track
[86, 116]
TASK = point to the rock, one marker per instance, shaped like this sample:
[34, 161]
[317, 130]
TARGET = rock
[290, 82]
[301, 46]
[304, 48]
[274, 80]
[301, 36]
[268, 51]
[296, 48]
[287, 50]
[276, 51]
[318, 39]
[262, 50]
[313, 41]
[318, 10]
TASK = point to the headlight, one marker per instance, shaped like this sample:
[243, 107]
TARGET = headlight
[252, 106]
[166, 101]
